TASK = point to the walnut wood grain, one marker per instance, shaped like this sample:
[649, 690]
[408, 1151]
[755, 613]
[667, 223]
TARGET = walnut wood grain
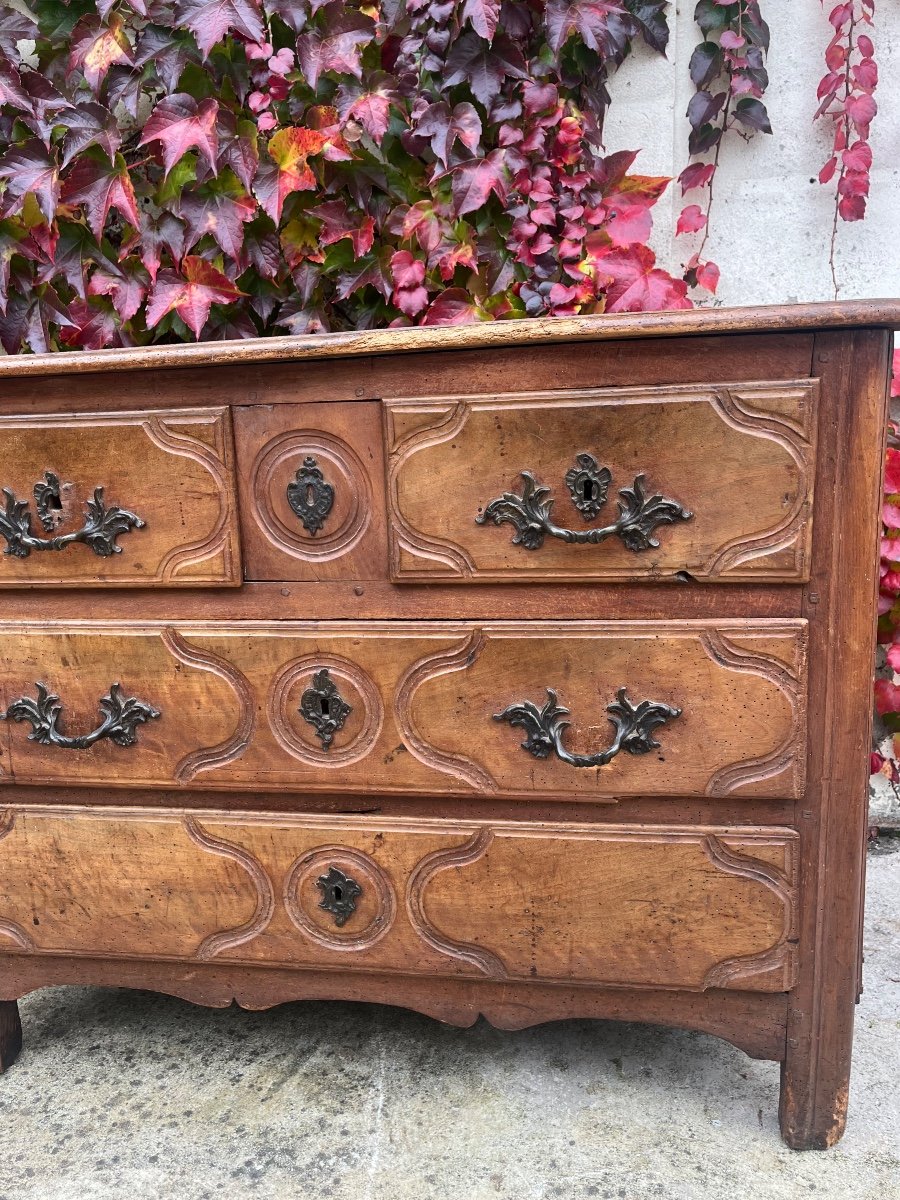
[173, 470]
[362, 343]
[423, 700]
[609, 905]
[833, 816]
[752, 1021]
[450, 458]
[10, 1034]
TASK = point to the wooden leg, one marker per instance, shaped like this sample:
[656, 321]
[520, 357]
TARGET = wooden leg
[813, 1108]
[10, 1034]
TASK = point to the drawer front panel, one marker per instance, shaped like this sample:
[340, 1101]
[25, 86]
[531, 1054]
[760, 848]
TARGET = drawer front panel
[585, 710]
[659, 907]
[615, 484]
[132, 499]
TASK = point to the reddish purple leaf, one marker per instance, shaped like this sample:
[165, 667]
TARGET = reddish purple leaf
[97, 47]
[100, 186]
[180, 122]
[210, 20]
[691, 219]
[30, 168]
[483, 16]
[190, 293]
[336, 49]
[473, 182]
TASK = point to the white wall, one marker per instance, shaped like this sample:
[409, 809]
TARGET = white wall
[771, 221]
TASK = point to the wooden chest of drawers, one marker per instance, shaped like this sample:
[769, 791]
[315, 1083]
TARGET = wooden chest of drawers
[517, 670]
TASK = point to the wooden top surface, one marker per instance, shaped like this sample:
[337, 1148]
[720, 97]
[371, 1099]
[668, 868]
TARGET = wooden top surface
[881, 313]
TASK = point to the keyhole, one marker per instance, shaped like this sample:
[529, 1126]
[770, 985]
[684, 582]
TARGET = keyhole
[310, 495]
[589, 490]
[338, 893]
[54, 502]
[325, 706]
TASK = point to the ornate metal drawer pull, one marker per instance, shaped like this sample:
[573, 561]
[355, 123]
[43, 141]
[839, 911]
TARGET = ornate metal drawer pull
[339, 894]
[544, 728]
[99, 532]
[310, 496]
[121, 717]
[323, 706]
[588, 484]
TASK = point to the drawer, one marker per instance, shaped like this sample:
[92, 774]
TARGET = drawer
[613, 484]
[131, 499]
[574, 711]
[311, 482]
[656, 907]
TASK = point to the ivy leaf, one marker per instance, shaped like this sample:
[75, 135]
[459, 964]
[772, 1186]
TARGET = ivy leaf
[711, 15]
[706, 63]
[89, 124]
[474, 181]
[30, 168]
[220, 211]
[443, 127]
[91, 326]
[210, 20]
[180, 122]
[453, 307]
[752, 113]
[651, 17]
[483, 67]
[370, 271]
[166, 233]
[101, 186]
[603, 25]
[46, 104]
[632, 281]
[11, 90]
[15, 27]
[97, 47]
[338, 222]
[168, 51]
[289, 170]
[125, 284]
[483, 16]
[371, 108]
[337, 48]
[190, 293]
[691, 220]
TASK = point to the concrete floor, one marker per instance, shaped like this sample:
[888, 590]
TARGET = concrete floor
[126, 1094]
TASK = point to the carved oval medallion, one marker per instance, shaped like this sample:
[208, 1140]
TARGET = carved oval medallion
[374, 904]
[290, 710]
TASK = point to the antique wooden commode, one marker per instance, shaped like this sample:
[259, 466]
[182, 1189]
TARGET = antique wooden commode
[518, 669]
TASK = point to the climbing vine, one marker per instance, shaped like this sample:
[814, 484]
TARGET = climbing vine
[728, 71]
[226, 168]
[846, 96]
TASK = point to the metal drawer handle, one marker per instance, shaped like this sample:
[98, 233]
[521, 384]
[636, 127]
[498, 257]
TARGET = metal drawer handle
[588, 484]
[544, 728]
[99, 532]
[121, 717]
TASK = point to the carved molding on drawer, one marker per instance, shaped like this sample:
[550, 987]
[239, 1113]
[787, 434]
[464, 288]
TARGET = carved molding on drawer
[441, 860]
[430, 530]
[779, 963]
[792, 533]
[208, 758]
[457, 658]
[346, 475]
[790, 755]
[163, 434]
[229, 939]
[11, 929]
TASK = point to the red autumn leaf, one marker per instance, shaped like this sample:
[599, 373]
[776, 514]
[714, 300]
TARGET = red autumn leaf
[483, 67]
[857, 157]
[707, 276]
[30, 168]
[101, 186]
[483, 16]
[289, 170]
[89, 124]
[453, 307]
[125, 284]
[892, 472]
[887, 697]
[407, 271]
[890, 516]
[827, 172]
[338, 222]
[628, 223]
[423, 223]
[210, 20]
[190, 293]
[861, 110]
[696, 175]
[372, 107]
[893, 658]
[219, 212]
[443, 127]
[692, 219]
[473, 182]
[180, 123]
[603, 25]
[895, 376]
[97, 47]
[11, 90]
[632, 281]
[92, 326]
[337, 48]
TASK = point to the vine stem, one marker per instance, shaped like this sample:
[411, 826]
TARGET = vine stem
[843, 117]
